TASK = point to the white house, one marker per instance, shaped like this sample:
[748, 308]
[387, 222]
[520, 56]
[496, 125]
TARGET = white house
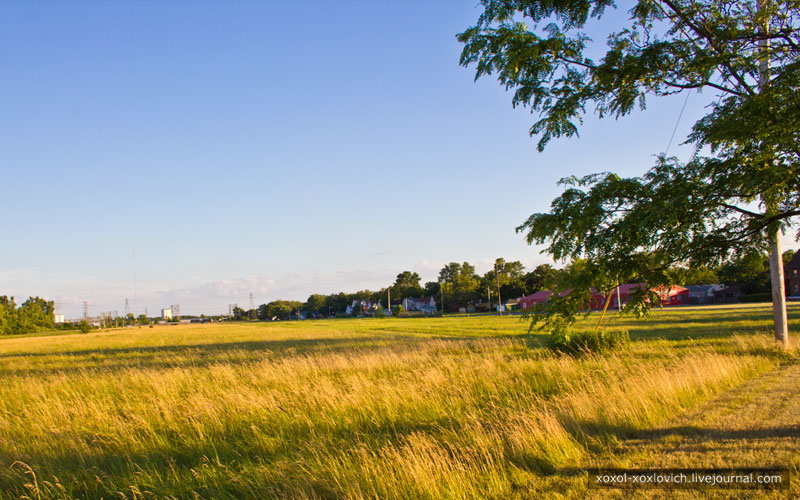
[426, 305]
[363, 306]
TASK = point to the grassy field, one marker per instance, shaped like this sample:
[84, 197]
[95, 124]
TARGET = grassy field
[467, 407]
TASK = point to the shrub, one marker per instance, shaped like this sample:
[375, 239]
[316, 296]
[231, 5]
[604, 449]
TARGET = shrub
[398, 310]
[85, 326]
[585, 342]
[756, 297]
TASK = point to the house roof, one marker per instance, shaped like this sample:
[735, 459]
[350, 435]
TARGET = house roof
[672, 289]
[542, 294]
[420, 299]
[629, 287]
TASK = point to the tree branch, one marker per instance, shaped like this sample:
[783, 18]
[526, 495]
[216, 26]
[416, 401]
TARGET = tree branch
[709, 38]
[703, 84]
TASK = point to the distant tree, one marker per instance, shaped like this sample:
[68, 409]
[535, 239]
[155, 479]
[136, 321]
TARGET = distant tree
[8, 315]
[338, 303]
[460, 284]
[701, 275]
[432, 288]
[407, 285]
[316, 304]
[143, 320]
[750, 271]
[512, 279]
[280, 309]
[544, 277]
[33, 315]
[239, 314]
[84, 326]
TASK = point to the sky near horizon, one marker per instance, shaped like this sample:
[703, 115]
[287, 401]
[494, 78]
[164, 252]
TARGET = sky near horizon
[278, 148]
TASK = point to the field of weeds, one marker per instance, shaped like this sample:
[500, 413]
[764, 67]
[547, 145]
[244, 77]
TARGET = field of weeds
[466, 407]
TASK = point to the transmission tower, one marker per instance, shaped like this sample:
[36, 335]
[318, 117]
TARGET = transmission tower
[127, 307]
[252, 302]
[85, 309]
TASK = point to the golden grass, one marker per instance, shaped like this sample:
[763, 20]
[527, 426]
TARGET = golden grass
[449, 408]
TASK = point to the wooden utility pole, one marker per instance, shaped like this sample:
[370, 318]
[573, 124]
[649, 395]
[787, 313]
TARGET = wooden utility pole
[499, 300]
[775, 257]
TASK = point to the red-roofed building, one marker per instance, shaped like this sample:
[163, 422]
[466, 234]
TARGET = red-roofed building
[528, 301]
[675, 295]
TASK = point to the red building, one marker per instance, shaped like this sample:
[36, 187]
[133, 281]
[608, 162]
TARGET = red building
[675, 295]
[528, 301]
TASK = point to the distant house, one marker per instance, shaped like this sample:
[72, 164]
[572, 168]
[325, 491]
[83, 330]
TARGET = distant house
[791, 275]
[675, 295]
[703, 294]
[166, 314]
[624, 296]
[529, 301]
[727, 294]
[363, 307]
[426, 305]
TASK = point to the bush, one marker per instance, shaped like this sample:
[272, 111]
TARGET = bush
[85, 326]
[398, 310]
[756, 297]
[585, 342]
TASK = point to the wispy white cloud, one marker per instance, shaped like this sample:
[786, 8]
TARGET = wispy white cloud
[215, 295]
[22, 274]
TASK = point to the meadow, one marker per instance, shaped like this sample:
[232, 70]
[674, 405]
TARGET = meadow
[418, 408]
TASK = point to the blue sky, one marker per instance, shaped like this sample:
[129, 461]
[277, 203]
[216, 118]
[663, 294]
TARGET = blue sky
[279, 148]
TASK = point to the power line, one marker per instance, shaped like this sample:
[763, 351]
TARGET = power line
[674, 130]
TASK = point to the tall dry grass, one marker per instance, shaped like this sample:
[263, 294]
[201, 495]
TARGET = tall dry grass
[334, 410]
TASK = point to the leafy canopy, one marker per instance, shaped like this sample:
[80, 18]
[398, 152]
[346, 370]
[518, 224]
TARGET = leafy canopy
[744, 186]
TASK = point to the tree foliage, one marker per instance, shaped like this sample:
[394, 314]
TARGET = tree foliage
[33, 315]
[407, 285]
[459, 284]
[726, 201]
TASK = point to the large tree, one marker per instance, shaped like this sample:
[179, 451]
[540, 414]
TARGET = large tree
[459, 284]
[735, 196]
[407, 285]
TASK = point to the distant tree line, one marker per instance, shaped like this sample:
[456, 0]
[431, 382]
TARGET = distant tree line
[461, 286]
[34, 315]
[458, 285]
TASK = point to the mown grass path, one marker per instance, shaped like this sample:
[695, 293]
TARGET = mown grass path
[756, 424]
